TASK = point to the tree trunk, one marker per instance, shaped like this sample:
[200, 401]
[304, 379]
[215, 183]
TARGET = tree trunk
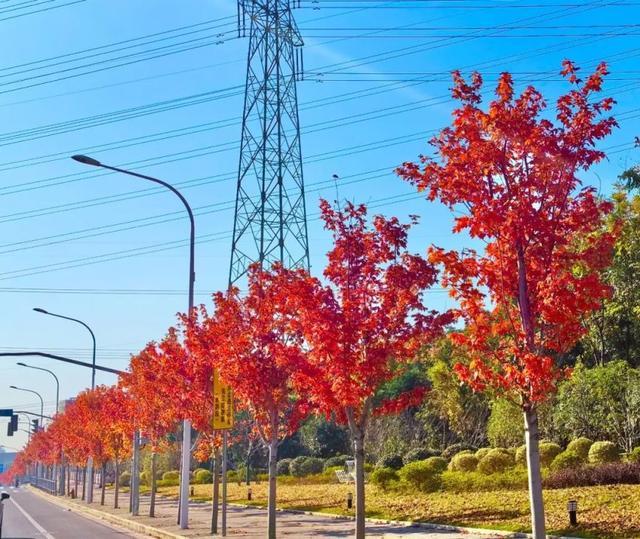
[68, 479]
[535, 476]
[358, 444]
[216, 492]
[103, 483]
[152, 502]
[273, 476]
[117, 484]
[84, 481]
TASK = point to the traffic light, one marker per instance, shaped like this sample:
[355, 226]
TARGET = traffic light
[10, 429]
[34, 426]
[14, 422]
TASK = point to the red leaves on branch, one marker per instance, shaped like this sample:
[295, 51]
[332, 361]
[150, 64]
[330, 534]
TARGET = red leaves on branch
[515, 174]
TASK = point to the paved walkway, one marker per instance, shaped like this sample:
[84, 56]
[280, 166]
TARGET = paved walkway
[251, 522]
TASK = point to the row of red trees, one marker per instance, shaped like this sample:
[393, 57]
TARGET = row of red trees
[295, 345]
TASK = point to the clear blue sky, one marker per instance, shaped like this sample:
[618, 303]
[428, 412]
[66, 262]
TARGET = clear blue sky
[377, 49]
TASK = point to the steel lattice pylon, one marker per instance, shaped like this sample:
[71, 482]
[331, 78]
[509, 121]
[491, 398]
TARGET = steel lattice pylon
[270, 223]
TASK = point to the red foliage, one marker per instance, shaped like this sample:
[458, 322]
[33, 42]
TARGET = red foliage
[515, 172]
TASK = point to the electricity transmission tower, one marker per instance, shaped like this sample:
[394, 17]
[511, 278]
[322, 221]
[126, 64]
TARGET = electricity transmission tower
[270, 223]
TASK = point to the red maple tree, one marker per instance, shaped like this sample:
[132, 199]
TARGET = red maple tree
[513, 173]
[366, 325]
[258, 355]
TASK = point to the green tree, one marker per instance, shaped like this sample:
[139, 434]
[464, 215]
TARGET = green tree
[602, 403]
[324, 438]
[505, 427]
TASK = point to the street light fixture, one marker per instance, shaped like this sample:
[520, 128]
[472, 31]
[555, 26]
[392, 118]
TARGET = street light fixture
[93, 338]
[52, 374]
[186, 428]
[39, 396]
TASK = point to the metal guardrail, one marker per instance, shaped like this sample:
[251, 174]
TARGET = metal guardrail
[48, 485]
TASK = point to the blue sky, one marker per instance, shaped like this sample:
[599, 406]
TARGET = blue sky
[379, 69]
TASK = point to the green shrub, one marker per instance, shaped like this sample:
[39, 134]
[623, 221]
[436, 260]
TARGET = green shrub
[548, 452]
[303, 466]
[419, 453]
[634, 456]
[283, 467]
[203, 477]
[145, 478]
[368, 467]
[513, 479]
[195, 472]
[521, 456]
[580, 446]
[463, 462]
[168, 482]
[383, 477]
[603, 452]
[125, 479]
[262, 477]
[482, 452]
[454, 449]
[437, 463]
[232, 476]
[566, 460]
[338, 460]
[421, 475]
[393, 461]
[172, 475]
[496, 461]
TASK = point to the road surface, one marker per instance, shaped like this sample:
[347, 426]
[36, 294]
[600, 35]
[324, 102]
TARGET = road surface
[28, 516]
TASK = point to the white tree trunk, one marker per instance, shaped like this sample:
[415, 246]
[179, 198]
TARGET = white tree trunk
[273, 476]
[358, 444]
[154, 471]
[535, 476]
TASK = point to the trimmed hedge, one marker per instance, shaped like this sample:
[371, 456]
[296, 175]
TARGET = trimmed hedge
[202, 477]
[566, 460]
[580, 446]
[521, 455]
[464, 462]
[454, 449]
[437, 463]
[125, 479]
[172, 475]
[284, 467]
[338, 460]
[303, 466]
[612, 473]
[603, 452]
[496, 461]
[548, 452]
[419, 453]
[421, 475]
[482, 452]
[393, 461]
[383, 477]
[634, 456]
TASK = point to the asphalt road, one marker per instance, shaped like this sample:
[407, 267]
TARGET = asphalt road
[28, 516]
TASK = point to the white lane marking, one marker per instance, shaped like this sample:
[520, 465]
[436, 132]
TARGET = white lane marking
[37, 526]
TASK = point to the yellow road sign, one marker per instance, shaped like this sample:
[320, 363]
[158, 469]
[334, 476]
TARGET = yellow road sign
[223, 416]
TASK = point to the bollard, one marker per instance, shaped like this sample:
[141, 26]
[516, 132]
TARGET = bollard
[73, 493]
[192, 491]
[249, 493]
[349, 500]
[572, 508]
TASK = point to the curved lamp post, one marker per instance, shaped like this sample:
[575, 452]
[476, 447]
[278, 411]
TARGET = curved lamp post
[20, 364]
[41, 401]
[186, 429]
[93, 338]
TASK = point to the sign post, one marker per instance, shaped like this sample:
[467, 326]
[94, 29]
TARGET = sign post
[223, 419]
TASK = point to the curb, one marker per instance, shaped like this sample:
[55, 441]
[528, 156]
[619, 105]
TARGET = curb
[96, 514]
[410, 525]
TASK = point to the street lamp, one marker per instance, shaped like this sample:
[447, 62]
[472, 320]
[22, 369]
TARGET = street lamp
[93, 338]
[186, 428]
[39, 396]
[20, 364]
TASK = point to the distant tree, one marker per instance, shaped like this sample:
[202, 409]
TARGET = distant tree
[324, 438]
[511, 175]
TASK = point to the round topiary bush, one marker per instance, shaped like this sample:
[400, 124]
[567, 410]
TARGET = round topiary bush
[454, 449]
[496, 461]
[393, 461]
[383, 477]
[482, 452]
[125, 479]
[634, 456]
[464, 462]
[338, 460]
[580, 446]
[421, 475]
[202, 476]
[548, 452]
[567, 460]
[521, 456]
[603, 452]
[437, 463]
[419, 453]
[145, 478]
[283, 467]
[172, 475]
[303, 466]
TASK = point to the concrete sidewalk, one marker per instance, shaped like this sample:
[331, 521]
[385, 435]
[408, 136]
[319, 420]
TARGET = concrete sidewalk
[250, 522]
